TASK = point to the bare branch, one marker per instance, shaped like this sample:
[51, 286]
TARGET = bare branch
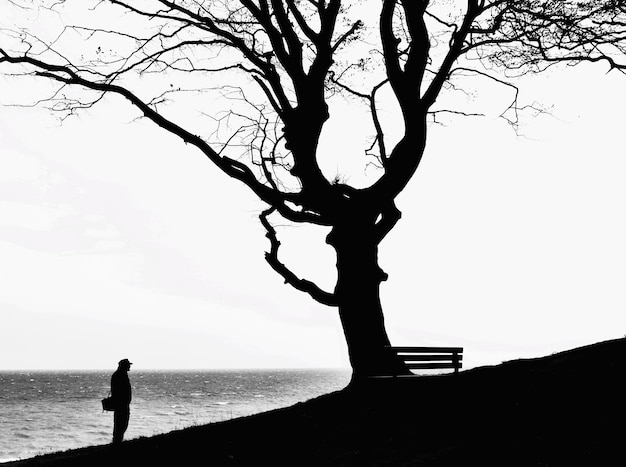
[456, 48]
[290, 278]
[302, 22]
[530, 35]
[231, 167]
[354, 28]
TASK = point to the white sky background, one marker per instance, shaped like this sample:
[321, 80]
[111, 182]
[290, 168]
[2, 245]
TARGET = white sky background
[117, 240]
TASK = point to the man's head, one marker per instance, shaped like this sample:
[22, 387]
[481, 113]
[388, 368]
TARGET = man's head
[124, 364]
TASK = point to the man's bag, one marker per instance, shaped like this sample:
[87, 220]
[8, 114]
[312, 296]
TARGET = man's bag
[108, 404]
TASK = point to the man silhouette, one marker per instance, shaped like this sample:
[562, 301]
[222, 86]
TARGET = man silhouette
[122, 395]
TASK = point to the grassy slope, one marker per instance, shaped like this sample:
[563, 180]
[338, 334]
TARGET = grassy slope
[566, 409]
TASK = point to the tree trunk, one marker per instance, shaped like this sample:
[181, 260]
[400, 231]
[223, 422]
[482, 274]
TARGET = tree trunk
[360, 310]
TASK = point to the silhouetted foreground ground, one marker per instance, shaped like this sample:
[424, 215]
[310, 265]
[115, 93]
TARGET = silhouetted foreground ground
[567, 409]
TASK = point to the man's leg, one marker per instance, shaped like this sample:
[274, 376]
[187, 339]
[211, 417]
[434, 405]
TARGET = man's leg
[120, 424]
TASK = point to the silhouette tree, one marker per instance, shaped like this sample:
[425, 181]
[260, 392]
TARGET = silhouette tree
[266, 73]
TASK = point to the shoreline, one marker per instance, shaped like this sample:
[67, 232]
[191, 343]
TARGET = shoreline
[556, 410]
[48, 412]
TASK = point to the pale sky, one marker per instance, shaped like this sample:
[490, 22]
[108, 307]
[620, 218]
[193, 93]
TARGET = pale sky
[118, 241]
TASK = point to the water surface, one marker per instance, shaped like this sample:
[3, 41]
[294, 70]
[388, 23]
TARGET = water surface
[43, 412]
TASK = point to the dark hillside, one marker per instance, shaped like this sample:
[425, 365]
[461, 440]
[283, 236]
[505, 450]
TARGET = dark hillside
[566, 409]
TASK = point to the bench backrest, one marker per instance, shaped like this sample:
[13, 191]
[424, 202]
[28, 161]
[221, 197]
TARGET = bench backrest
[430, 358]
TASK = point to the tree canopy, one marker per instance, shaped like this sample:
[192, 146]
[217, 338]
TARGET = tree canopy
[252, 85]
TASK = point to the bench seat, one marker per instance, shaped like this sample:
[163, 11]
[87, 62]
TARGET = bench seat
[430, 358]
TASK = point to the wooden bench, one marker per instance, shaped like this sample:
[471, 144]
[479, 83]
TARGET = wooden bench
[430, 358]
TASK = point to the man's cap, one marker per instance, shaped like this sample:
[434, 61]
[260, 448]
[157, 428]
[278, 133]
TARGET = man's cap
[125, 360]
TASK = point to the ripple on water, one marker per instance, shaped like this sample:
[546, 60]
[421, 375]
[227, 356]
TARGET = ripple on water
[68, 415]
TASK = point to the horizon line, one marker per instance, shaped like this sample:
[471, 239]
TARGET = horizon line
[8, 370]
